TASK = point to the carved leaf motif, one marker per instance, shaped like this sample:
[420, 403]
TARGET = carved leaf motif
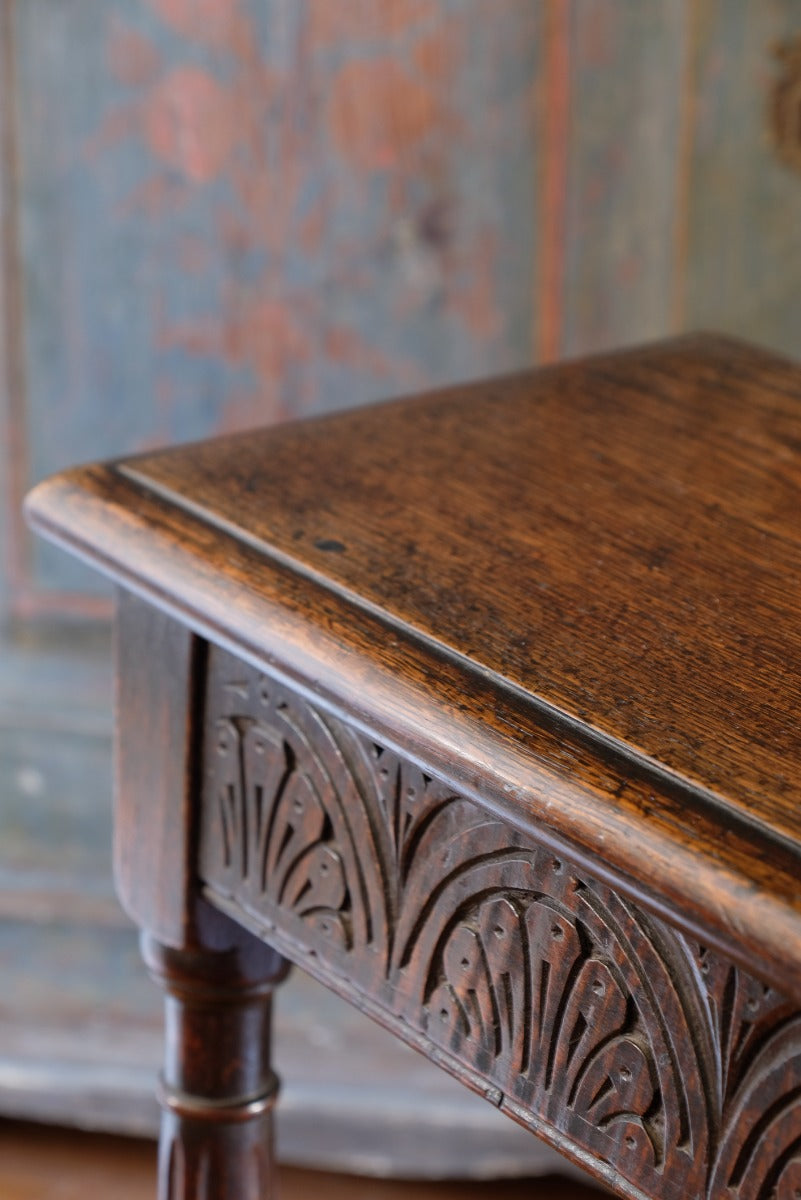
[615, 1082]
[274, 829]
[788, 1179]
[741, 1010]
[761, 1123]
[555, 953]
[637, 1044]
[579, 1046]
[288, 829]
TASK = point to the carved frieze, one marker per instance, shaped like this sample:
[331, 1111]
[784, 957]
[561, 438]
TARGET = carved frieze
[614, 1031]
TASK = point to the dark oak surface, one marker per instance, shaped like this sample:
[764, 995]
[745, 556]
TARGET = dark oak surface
[575, 593]
[631, 1047]
[622, 542]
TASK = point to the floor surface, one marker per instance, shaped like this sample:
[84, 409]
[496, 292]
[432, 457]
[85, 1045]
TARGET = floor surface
[42, 1163]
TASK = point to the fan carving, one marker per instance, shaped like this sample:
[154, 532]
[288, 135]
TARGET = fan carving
[596, 1023]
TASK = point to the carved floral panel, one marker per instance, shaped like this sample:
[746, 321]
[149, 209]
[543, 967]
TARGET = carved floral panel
[600, 1025]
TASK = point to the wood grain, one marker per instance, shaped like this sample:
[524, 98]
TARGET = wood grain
[632, 1049]
[158, 662]
[573, 594]
[217, 1090]
[638, 576]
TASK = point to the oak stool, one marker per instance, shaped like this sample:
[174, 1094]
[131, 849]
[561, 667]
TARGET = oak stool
[483, 707]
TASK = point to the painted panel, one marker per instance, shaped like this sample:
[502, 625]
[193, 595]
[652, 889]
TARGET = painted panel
[744, 214]
[55, 790]
[235, 213]
[626, 64]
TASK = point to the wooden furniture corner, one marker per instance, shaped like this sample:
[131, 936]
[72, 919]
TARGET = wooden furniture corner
[482, 707]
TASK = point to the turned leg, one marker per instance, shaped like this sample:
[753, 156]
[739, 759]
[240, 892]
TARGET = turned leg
[218, 1089]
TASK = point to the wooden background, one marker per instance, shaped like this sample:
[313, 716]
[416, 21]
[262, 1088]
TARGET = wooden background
[221, 214]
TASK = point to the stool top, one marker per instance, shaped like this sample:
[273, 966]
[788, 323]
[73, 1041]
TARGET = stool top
[574, 592]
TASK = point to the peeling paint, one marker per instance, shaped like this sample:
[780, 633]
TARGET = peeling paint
[265, 209]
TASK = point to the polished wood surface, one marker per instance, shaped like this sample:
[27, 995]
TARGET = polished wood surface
[585, 578]
[218, 1089]
[481, 707]
[621, 541]
[626, 1045]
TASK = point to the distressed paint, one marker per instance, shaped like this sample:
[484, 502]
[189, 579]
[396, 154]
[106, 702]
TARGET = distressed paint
[228, 214]
[555, 124]
[237, 213]
[13, 545]
[624, 148]
[744, 220]
[56, 822]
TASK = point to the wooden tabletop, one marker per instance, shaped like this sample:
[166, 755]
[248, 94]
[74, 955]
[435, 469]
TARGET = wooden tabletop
[574, 592]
